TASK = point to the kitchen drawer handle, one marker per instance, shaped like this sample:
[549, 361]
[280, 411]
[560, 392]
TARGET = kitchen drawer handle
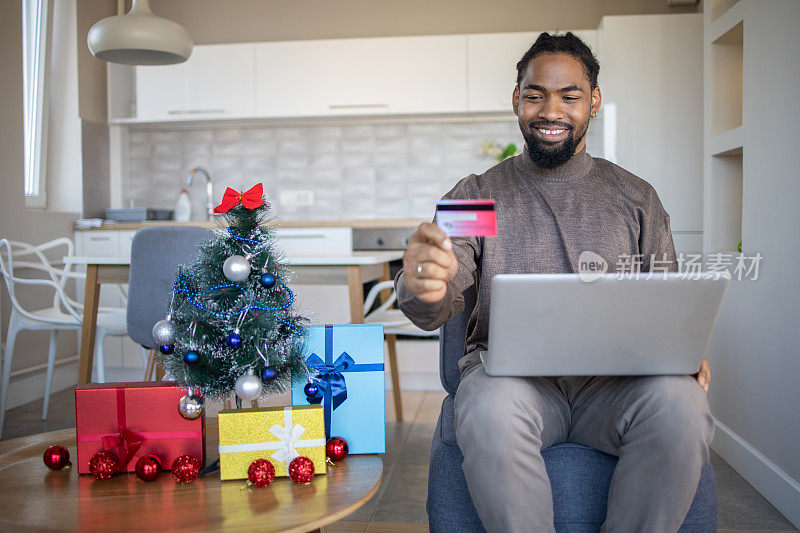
[99, 238]
[358, 106]
[193, 111]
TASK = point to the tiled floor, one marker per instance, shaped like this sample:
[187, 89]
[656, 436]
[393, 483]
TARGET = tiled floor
[399, 505]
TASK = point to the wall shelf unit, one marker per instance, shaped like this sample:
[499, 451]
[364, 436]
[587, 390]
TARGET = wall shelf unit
[726, 78]
[724, 131]
[751, 185]
[729, 142]
[726, 212]
[731, 17]
[717, 8]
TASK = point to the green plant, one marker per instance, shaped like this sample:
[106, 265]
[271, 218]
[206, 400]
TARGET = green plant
[497, 150]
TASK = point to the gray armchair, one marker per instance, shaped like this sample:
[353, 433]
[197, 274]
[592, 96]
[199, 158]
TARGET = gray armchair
[579, 476]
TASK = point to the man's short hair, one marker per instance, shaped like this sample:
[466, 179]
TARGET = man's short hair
[568, 43]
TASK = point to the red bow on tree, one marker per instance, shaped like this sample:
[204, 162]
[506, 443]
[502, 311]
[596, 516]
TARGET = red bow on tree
[250, 199]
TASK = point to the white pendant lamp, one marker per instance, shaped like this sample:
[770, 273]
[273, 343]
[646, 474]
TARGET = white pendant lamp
[140, 38]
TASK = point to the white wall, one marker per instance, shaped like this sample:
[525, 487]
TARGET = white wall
[755, 350]
[651, 73]
[16, 221]
[64, 169]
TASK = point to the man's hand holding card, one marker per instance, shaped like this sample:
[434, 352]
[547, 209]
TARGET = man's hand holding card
[429, 261]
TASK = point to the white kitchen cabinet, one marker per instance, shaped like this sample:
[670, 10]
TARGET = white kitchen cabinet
[97, 243]
[160, 90]
[387, 75]
[103, 243]
[323, 241]
[492, 60]
[651, 79]
[216, 82]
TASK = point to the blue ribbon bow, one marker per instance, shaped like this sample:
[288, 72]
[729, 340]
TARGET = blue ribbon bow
[330, 379]
[330, 376]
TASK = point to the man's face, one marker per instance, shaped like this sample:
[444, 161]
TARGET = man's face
[553, 103]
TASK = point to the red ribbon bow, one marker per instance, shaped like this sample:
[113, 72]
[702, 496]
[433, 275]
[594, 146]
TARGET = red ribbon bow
[250, 199]
[125, 443]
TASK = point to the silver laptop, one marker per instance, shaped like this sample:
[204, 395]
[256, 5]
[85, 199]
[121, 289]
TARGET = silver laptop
[560, 325]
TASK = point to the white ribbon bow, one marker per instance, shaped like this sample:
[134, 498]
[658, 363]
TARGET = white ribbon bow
[288, 441]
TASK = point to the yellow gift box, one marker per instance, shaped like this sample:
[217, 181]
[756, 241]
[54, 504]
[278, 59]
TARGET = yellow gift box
[276, 433]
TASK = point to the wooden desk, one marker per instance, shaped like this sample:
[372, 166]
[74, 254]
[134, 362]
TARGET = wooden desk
[353, 269]
[33, 497]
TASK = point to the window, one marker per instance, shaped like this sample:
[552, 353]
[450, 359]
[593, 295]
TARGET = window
[35, 18]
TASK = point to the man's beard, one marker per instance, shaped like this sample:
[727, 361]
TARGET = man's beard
[551, 155]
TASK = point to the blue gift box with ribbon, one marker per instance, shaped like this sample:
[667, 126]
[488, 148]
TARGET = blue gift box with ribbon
[347, 367]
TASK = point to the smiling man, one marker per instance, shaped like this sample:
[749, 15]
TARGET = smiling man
[555, 201]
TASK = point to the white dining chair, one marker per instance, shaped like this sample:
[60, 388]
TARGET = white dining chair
[394, 323]
[27, 266]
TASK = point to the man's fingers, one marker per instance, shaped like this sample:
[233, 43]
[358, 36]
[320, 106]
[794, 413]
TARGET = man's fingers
[425, 253]
[422, 285]
[704, 375]
[431, 270]
[432, 297]
[429, 262]
[427, 232]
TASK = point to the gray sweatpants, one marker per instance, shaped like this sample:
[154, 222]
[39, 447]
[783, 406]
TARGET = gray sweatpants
[660, 427]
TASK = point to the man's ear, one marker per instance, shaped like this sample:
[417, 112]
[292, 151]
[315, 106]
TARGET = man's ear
[515, 100]
[596, 98]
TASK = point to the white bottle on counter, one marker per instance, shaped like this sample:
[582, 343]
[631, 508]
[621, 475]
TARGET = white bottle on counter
[183, 207]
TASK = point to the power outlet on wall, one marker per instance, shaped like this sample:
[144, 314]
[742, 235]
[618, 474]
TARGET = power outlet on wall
[296, 198]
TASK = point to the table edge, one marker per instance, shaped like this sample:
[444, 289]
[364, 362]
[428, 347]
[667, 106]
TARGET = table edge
[67, 438]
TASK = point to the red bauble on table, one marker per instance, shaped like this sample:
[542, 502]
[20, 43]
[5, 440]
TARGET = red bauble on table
[186, 469]
[148, 467]
[104, 465]
[56, 457]
[261, 472]
[336, 448]
[301, 469]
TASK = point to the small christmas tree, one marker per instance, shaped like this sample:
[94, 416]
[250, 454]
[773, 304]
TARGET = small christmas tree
[231, 325]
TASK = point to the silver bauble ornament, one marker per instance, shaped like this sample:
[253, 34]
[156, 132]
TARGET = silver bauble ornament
[236, 268]
[247, 386]
[164, 332]
[191, 407]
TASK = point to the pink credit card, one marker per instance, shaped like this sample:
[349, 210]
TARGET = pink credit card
[467, 218]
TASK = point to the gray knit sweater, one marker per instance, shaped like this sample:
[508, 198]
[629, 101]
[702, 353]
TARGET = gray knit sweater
[545, 218]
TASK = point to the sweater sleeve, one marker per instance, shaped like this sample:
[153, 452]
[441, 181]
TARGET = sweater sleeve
[430, 316]
[655, 237]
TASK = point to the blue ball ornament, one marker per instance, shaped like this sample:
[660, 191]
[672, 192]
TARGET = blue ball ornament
[312, 393]
[268, 373]
[191, 357]
[234, 340]
[267, 280]
[166, 349]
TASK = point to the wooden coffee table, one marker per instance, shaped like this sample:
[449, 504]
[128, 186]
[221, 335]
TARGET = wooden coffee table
[31, 496]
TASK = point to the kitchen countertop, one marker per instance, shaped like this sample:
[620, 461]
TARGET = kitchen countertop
[352, 258]
[372, 223]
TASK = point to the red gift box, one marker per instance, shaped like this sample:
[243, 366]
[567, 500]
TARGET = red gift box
[132, 420]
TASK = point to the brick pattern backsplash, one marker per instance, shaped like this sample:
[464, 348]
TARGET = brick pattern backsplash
[357, 171]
